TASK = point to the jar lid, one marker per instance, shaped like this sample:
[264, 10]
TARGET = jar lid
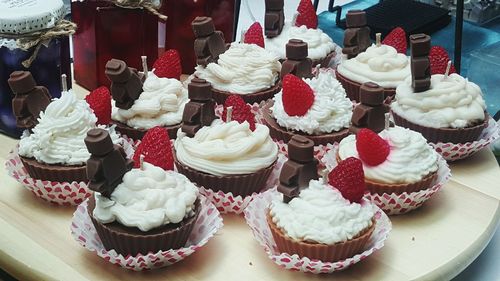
[26, 16]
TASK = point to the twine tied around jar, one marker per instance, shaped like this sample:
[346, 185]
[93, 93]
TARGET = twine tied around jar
[43, 37]
[134, 4]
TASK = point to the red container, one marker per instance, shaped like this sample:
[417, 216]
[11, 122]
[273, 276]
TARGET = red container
[106, 31]
[181, 13]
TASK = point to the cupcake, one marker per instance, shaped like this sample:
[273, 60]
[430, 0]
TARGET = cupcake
[317, 108]
[244, 69]
[160, 101]
[326, 220]
[380, 64]
[55, 149]
[321, 48]
[396, 160]
[443, 108]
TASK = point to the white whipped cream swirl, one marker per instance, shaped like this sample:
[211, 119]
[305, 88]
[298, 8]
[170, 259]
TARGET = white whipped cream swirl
[331, 110]
[453, 102]
[227, 148]
[321, 215]
[319, 44]
[242, 69]
[160, 104]
[147, 199]
[379, 64]
[410, 160]
[58, 138]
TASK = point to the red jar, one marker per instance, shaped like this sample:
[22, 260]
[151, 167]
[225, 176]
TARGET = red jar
[106, 31]
[181, 13]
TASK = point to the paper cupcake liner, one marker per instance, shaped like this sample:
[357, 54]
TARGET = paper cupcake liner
[255, 216]
[59, 193]
[435, 135]
[208, 223]
[352, 88]
[401, 202]
[228, 203]
[221, 96]
[456, 151]
[138, 134]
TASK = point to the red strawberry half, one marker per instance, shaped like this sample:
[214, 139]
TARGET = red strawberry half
[439, 60]
[348, 177]
[372, 149]
[168, 65]
[307, 15]
[297, 96]
[155, 146]
[241, 111]
[397, 39]
[254, 35]
[100, 102]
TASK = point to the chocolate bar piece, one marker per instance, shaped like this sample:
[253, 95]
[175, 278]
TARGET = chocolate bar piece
[370, 113]
[300, 168]
[355, 18]
[420, 45]
[29, 99]
[209, 43]
[274, 18]
[200, 110]
[107, 164]
[357, 34]
[297, 62]
[126, 84]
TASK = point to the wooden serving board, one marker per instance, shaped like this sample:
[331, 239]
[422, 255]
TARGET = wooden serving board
[435, 242]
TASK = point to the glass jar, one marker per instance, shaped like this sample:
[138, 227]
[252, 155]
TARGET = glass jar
[106, 31]
[179, 34]
[52, 60]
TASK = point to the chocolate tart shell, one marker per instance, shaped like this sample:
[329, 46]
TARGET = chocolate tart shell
[138, 134]
[435, 135]
[279, 133]
[352, 88]
[221, 96]
[323, 252]
[399, 188]
[59, 173]
[132, 241]
[243, 185]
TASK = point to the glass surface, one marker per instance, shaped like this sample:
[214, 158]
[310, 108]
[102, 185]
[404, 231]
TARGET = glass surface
[105, 32]
[179, 32]
[51, 62]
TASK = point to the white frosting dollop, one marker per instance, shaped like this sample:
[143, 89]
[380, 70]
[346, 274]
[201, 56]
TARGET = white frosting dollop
[331, 109]
[452, 102]
[160, 104]
[242, 69]
[319, 44]
[147, 199]
[321, 215]
[380, 64]
[410, 160]
[58, 138]
[227, 148]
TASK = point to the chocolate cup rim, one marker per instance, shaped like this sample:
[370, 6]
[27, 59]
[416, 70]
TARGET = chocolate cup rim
[444, 135]
[54, 172]
[220, 96]
[281, 133]
[352, 87]
[342, 250]
[138, 134]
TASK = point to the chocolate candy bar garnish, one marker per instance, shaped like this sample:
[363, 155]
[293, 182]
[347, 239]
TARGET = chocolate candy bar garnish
[370, 113]
[300, 168]
[274, 18]
[420, 45]
[209, 43]
[297, 62]
[126, 83]
[357, 34]
[200, 110]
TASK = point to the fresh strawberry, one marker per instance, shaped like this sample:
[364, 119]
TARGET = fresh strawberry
[297, 96]
[348, 177]
[168, 65]
[307, 15]
[155, 146]
[241, 111]
[372, 149]
[439, 60]
[397, 39]
[100, 102]
[254, 35]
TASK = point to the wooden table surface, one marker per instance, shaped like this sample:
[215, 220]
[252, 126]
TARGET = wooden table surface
[435, 242]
